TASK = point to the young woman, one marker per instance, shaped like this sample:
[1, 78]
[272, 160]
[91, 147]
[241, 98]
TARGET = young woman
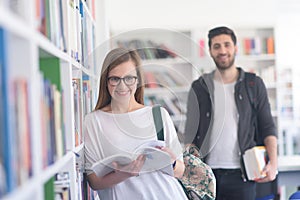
[119, 124]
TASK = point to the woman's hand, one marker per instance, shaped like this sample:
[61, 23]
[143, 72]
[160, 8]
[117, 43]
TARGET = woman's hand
[132, 169]
[120, 173]
[179, 165]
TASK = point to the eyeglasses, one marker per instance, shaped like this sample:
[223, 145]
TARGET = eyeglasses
[128, 80]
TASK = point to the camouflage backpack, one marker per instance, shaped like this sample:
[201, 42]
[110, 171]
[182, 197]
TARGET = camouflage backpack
[198, 179]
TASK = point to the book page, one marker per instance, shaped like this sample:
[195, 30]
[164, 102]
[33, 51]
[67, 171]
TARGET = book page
[104, 166]
[255, 160]
[155, 159]
[152, 143]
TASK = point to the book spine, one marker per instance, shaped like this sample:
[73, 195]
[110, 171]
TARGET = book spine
[8, 157]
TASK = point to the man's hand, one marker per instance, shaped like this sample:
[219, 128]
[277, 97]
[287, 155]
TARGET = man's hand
[271, 173]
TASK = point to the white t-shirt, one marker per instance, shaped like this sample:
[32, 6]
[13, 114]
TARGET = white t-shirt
[225, 149]
[108, 134]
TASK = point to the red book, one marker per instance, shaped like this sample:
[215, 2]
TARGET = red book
[247, 46]
[150, 80]
[201, 47]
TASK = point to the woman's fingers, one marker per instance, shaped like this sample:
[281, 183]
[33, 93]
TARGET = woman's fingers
[132, 168]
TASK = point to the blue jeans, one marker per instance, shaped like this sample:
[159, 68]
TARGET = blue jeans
[230, 185]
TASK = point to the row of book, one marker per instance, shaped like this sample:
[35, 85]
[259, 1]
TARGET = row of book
[52, 112]
[173, 105]
[268, 74]
[257, 45]
[34, 102]
[82, 104]
[16, 155]
[84, 190]
[157, 79]
[291, 140]
[16, 152]
[58, 187]
[77, 98]
[148, 49]
[68, 26]
[91, 5]
[15, 126]
[247, 46]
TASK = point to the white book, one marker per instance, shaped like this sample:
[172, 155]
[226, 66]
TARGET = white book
[255, 159]
[156, 159]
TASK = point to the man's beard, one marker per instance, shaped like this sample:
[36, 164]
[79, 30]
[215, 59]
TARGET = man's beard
[224, 66]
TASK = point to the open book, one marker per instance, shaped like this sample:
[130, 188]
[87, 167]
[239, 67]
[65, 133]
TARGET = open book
[255, 159]
[155, 159]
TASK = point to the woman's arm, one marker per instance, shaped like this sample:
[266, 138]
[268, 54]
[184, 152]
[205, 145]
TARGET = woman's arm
[173, 146]
[120, 174]
[179, 165]
[179, 169]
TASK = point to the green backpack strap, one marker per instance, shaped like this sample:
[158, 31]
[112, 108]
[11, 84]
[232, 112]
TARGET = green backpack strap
[158, 122]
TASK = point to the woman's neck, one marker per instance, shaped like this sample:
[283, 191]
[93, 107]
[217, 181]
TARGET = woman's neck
[124, 107]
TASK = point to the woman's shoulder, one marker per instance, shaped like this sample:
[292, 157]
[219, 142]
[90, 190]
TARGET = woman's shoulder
[92, 115]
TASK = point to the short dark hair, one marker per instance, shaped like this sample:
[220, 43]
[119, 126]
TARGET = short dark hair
[219, 31]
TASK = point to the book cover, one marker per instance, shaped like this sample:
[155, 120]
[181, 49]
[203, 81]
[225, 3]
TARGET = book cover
[155, 159]
[7, 135]
[247, 46]
[50, 68]
[76, 84]
[270, 45]
[255, 159]
[171, 105]
[23, 133]
[59, 140]
[150, 80]
[49, 189]
[2, 113]
[201, 47]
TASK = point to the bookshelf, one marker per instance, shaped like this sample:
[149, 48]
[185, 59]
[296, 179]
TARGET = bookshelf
[46, 47]
[286, 32]
[288, 85]
[288, 98]
[166, 60]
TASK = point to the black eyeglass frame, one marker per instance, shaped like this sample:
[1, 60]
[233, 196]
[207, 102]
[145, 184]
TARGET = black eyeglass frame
[123, 79]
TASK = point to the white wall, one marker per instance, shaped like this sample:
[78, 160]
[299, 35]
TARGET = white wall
[178, 14]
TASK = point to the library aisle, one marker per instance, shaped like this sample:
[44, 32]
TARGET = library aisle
[50, 53]
[48, 83]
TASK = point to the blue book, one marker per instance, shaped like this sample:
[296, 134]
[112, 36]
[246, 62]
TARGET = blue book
[7, 137]
[2, 171]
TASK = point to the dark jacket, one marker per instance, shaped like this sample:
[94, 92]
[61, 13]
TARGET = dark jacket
[200, 111]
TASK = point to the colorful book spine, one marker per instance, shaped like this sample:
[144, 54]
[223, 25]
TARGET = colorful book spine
[201, 48]
[7, 124]
[270, 45]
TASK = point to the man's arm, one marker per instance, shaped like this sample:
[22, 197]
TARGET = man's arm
[271, 168]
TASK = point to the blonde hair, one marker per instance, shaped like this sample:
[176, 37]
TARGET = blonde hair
[114, 58]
